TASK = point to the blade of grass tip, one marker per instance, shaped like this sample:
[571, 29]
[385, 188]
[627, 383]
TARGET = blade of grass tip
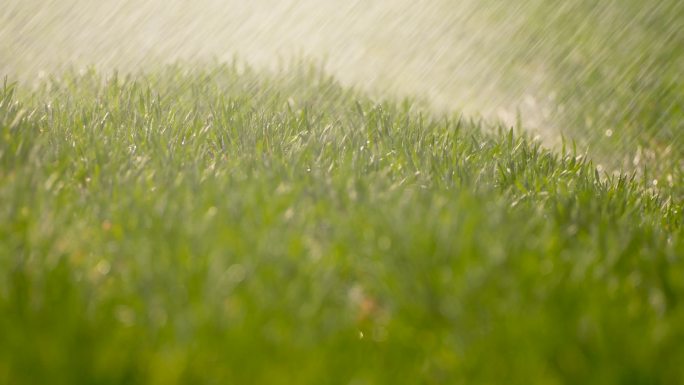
[359, 109]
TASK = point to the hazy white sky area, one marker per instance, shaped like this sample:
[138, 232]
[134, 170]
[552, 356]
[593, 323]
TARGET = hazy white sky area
[450, 53]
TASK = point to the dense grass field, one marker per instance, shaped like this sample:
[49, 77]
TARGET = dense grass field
[220, 225]
[275, 223]
[614, 70]
[607, 74]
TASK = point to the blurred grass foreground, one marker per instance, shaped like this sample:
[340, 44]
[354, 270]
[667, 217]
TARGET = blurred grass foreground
[170, 215]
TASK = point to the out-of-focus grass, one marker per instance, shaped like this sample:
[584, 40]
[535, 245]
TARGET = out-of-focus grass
[614, 69]
[224, 226]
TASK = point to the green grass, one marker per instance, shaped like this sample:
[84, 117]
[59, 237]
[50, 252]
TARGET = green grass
[615, 70]
[227, 226]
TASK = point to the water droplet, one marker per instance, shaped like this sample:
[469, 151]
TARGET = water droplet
[103, 267]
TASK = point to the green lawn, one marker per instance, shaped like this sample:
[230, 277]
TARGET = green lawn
[222, 225]
[615, 70]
